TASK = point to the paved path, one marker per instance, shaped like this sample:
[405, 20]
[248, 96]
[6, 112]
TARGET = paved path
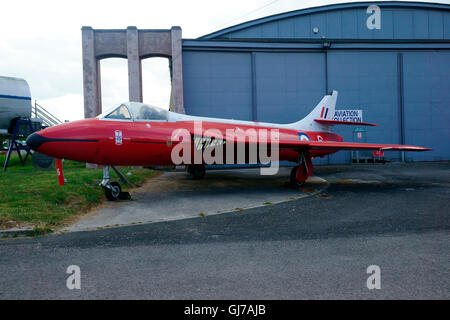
[173, 196]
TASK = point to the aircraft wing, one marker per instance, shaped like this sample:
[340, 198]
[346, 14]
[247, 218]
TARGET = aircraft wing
[303, 145]
[317, 145]
[341, 145]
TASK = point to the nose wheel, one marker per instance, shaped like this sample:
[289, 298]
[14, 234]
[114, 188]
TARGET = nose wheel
[113, 191]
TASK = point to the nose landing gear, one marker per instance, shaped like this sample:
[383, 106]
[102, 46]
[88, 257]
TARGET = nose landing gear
[113, 191]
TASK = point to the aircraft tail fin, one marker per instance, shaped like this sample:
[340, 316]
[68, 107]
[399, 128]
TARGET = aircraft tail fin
[324, 110]
[326, 107]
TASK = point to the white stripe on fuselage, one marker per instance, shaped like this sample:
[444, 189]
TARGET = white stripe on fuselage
[177, 117]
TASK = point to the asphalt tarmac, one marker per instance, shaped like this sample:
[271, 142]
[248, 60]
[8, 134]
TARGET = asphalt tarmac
[395, 217]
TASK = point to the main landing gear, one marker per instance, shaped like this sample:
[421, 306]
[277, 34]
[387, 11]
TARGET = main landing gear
[300, 173]
[197, 171]
[113, 191]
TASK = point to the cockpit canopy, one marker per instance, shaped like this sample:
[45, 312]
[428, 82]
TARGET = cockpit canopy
[135, 111]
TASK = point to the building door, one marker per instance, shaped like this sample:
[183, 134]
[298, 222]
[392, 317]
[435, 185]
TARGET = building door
[426, 77]
[367, 80]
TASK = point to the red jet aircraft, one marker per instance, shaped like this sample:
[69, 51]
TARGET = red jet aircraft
[136, 134]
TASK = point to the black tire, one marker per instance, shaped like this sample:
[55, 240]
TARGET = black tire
[198, 171]
[113, 193]
[293, 180]
[41, 161]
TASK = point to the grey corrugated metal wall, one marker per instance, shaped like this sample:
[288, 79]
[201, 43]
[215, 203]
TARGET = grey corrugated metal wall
[404, 86]
[218, 83]
[427, 102]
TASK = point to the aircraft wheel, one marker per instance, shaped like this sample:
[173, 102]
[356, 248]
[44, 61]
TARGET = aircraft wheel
[198, 171]
[293, 179]
[113, 193]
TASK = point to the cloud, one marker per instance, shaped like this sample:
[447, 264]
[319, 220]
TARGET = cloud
[67, 107]
[51, 66]
[156, 82]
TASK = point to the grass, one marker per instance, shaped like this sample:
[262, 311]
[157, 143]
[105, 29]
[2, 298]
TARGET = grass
[33, 197]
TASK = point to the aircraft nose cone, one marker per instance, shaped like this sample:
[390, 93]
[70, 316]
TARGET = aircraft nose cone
[34, 141]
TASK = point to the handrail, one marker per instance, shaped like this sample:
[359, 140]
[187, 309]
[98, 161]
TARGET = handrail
[47, 113]
[47, 118]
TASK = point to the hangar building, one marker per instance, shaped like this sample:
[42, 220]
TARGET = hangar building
[392, 63]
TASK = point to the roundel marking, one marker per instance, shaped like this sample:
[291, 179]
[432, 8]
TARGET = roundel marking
[303, 137]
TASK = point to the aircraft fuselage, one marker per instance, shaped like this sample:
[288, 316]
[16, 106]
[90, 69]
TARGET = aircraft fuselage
[125, 143]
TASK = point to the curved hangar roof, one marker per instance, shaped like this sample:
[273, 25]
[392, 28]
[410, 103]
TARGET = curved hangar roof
[399, 21]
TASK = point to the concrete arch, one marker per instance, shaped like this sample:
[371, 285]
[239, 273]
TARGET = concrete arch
[134, 45]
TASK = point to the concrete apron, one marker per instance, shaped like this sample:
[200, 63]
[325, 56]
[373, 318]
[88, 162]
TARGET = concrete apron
[174, 196]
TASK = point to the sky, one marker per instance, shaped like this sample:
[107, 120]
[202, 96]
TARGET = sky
[41, 42]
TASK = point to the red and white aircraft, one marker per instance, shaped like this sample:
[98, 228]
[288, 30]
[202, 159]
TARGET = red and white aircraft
[136, 134]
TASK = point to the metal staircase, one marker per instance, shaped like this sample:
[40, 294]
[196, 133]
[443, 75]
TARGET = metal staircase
[47, 118]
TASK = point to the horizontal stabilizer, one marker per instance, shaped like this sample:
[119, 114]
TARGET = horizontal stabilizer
[350, 123]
